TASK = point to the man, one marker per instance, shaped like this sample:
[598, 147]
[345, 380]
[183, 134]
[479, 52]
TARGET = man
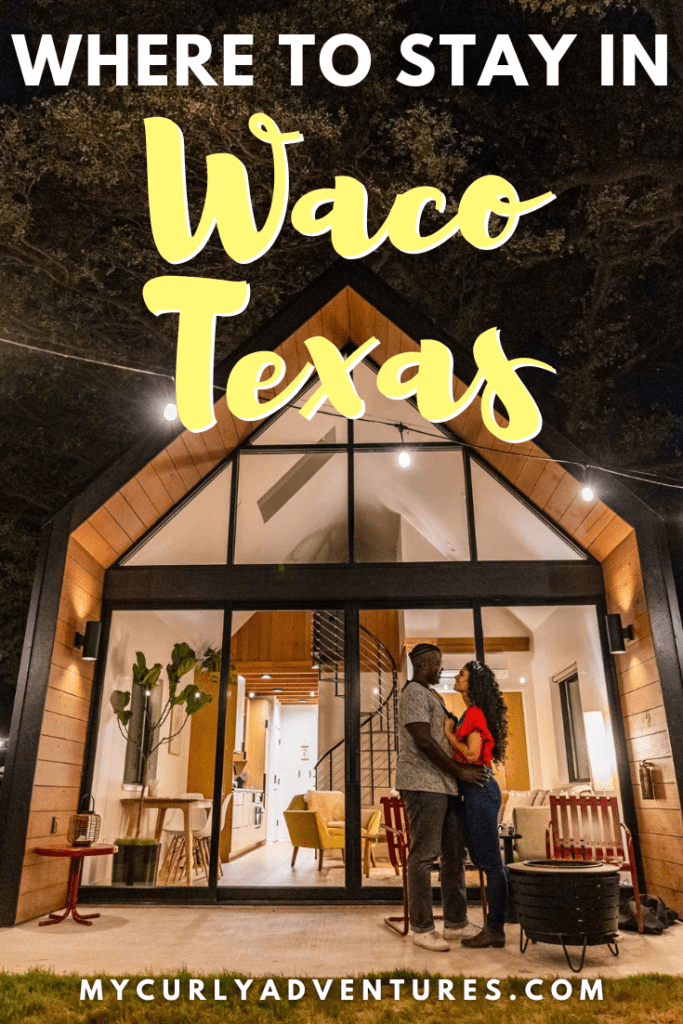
[427, 778]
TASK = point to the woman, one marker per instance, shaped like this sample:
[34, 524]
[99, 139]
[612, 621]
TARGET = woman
[480, 737]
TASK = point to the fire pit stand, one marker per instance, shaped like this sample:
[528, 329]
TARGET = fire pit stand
[566, 903]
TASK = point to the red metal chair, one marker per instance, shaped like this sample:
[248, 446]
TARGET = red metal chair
[589, 828]
[395, 825]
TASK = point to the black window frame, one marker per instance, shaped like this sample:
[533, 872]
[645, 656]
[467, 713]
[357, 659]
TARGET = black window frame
[571, 747]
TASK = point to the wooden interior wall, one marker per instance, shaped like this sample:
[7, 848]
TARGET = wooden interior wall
[201, 763]
[258, 712]
[514, 773]
[385, 624]
[168, 477]
[272, 638]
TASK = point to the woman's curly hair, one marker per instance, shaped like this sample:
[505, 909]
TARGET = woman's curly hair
[483, 693]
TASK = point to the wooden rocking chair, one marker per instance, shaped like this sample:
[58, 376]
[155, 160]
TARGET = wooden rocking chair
[395, 825]
[588, 828]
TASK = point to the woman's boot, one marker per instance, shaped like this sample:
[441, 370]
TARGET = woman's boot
[487, 937]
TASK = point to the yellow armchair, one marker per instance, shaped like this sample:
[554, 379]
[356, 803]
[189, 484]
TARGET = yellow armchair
[370, 834]
[308, 829]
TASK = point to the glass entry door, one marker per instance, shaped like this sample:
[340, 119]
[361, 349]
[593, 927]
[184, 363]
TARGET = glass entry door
[289, 815]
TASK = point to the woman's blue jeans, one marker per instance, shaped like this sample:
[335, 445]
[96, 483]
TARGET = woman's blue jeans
[483, 841]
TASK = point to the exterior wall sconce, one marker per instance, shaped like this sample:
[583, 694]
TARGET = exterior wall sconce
[617, 634]
[89, 641]
[646, 777]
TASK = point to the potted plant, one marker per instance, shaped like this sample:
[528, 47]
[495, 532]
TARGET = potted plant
[137, 858]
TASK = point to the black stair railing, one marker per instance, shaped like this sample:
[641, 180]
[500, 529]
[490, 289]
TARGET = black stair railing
[378, 729]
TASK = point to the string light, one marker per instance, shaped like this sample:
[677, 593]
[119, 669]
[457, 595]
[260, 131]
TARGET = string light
[404, 456]
[587, 492]
[85, 359]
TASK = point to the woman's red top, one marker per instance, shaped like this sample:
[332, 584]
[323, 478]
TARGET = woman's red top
[474, 718]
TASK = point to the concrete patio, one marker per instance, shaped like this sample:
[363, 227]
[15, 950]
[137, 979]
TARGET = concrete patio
[297, 942]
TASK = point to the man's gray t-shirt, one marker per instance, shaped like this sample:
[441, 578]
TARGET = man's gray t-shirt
[414, 770]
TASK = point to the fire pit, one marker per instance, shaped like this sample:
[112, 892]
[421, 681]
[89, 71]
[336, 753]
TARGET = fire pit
[566, 903]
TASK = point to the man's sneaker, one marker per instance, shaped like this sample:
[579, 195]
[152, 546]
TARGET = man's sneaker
[467, 931]
[431, 940]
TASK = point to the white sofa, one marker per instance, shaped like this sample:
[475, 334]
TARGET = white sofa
[528, 812]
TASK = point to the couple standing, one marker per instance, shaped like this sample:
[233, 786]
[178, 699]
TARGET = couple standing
[451, 798]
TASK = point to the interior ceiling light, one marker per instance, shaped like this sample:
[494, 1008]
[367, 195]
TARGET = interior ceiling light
[170, 412]
[312, 693]
[302, 700]
[404, 458]
[277, 689]
[251, 693]
[266, 676]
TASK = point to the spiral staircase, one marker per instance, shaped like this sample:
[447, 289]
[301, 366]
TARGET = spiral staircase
[379, 695]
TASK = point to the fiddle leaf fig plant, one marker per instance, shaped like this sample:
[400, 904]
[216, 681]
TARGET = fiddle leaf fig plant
[119, 699]
[211, 662]
[148, 737]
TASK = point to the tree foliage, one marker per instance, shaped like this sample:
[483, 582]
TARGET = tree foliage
[592, 283]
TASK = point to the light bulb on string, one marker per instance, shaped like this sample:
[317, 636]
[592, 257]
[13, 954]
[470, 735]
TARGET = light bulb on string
[404, 458]
[587, 492]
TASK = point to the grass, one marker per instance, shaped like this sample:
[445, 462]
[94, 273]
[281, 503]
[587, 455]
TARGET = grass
[38, 997]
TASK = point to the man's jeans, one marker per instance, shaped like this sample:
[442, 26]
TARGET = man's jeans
[436, 830]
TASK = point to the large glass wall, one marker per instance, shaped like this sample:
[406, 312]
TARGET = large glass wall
[325, 492]
[391, 487]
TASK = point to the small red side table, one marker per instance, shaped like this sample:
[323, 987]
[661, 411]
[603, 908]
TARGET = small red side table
[76, 855]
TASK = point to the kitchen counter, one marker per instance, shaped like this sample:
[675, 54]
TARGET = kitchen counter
[248, 820]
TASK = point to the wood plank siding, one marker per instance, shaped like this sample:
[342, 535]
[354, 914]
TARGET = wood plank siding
[172, 473]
